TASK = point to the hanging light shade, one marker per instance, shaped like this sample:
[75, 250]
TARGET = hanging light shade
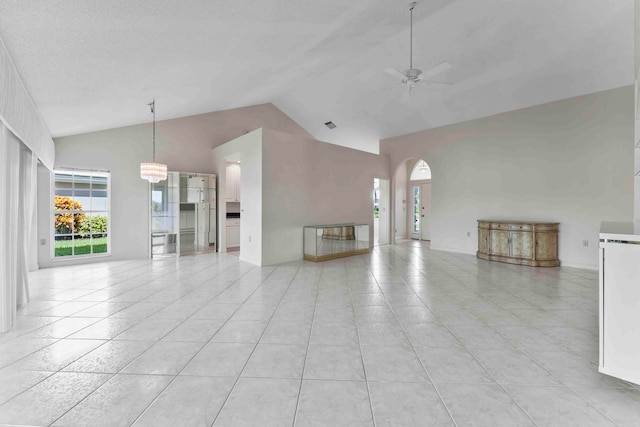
[152, 171]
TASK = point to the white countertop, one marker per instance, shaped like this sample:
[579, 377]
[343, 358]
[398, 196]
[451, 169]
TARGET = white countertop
[620, 231]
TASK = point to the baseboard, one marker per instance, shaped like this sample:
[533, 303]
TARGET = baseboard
[562, 263]
[454, 250]
[579, 265]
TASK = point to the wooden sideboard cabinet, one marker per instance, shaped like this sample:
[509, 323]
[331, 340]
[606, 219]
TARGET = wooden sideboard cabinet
[519, 242]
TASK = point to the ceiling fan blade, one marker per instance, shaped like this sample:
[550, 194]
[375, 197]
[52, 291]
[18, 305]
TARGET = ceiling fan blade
[440, 68]
[395, 73]
[433, 83]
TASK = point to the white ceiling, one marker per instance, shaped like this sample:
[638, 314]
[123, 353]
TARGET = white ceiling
[94, 64]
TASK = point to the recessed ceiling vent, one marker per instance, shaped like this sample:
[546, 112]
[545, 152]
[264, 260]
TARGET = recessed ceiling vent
[330, 125]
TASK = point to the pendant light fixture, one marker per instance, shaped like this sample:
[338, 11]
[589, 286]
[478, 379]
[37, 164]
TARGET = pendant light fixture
[153, 172]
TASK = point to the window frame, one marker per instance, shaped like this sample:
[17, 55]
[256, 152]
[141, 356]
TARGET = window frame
[415, 171]
[415, 211]
[53, 211]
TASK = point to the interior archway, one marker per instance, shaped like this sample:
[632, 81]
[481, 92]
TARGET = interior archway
[412, 201]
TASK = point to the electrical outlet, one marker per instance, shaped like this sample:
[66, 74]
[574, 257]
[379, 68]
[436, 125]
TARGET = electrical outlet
[43, 242]
[249, 239]
[585, 243]
[468, 234]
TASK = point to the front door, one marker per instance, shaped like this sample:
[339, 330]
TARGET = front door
[381, 212]
[421, 211]
[425, 211]
[415, 211]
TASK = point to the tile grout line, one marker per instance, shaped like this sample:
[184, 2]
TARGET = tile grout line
[364, 369]
[306, 354]
[175, 377]
[52, 372]
[113, 375]
[402, 268]
[257, 342]
[465, 347]
[433, 384]
[489, 372]
[526, 353]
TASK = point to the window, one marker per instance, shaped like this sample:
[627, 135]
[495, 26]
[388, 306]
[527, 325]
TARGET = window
[420, 171]
[80, 213]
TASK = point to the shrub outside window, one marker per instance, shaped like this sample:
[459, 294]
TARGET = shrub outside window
[80, 213]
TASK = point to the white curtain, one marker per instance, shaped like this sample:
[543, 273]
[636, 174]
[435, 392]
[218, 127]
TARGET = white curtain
[18, 174]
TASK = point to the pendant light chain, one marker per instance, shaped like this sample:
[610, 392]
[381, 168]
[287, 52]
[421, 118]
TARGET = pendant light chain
[411, 35]
[152, 104]
[153, 172]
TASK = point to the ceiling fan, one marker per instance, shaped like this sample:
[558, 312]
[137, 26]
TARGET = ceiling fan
[413, 76]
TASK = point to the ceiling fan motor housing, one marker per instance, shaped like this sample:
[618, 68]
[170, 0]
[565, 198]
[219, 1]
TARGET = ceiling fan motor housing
[413, 73]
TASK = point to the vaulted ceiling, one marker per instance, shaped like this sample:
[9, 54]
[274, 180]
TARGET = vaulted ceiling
[92, 65]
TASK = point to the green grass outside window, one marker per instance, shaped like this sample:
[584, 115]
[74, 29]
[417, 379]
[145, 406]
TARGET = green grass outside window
[83, 246]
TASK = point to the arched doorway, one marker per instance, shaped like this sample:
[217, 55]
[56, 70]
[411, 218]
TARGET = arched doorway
[412, 192]
[420, 201]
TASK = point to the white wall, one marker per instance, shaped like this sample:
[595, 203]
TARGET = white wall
[400, 202]
[637, 112]
[307, 182]
[184, 144]
[247, 149]
[44, 204]
[569, 161]
[119, 151]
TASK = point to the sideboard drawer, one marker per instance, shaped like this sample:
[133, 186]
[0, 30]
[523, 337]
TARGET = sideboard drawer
[521, 227]
[553, 228]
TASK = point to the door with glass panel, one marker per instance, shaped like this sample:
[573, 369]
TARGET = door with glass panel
[381, 219]
[415, 211]
[421, 211]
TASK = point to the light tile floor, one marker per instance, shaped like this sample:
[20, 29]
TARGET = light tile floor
[403, 336]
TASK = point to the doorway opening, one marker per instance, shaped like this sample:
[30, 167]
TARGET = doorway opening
[381, 211]
[233, 206]
[420, 186]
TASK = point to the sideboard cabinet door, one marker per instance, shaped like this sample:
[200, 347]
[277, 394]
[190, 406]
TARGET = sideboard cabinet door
[499, 242]
[522, 244]
[483, 240]
[546, 246]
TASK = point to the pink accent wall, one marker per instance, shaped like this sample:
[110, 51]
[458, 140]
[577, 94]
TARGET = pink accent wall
[185, 144]
[306, 182]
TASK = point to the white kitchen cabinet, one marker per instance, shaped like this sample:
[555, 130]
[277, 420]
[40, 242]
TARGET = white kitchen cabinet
[620, 300]
[233, 183]
[233, 233]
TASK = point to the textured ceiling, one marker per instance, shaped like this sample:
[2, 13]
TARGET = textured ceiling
[93, 65]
